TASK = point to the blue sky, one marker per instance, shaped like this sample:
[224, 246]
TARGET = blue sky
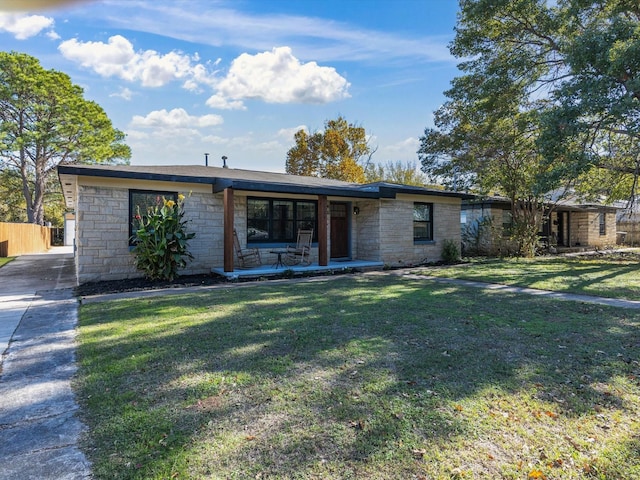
[240, 77]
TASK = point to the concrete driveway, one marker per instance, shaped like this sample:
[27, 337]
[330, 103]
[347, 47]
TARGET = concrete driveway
[39, 428]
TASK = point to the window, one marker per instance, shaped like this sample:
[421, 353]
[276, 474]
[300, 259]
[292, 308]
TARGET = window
[422, 222]
[603, 223]
[278, 220]
[507, 223]
[141, 201]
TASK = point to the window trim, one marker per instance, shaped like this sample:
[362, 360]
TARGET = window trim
[430, 238]
[158, 193]
[602, 223]
[270, 241]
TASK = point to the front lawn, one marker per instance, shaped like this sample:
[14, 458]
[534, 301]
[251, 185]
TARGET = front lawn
[612, 275]
[376, 377]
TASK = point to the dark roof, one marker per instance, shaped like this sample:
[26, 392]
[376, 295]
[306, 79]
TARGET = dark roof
[564, 201]
[248, 180]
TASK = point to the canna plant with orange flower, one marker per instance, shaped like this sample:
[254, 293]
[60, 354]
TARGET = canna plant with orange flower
[161, 240]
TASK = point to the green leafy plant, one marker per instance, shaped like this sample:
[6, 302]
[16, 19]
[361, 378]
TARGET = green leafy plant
[450, 251]
[161, 240]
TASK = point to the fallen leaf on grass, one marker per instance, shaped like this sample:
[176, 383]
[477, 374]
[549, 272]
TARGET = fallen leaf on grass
[357, 424]
[458, 408]
[419, 452]
[551, 414]
[250, 437]
[537, 474]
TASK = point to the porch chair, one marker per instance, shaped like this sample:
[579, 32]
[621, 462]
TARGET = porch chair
[248, 257]
[300, 254]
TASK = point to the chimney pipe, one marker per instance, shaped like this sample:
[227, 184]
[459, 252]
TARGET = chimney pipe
[224, 161]
[206, 159]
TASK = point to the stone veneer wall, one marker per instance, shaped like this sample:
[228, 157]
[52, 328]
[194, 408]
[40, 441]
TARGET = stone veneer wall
[395, 231]
[102, 231]
[585, 229]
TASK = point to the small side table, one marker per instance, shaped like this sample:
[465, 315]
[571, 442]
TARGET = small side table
[279, 260]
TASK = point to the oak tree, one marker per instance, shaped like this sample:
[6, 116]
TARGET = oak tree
[340, 152]
[549, 92]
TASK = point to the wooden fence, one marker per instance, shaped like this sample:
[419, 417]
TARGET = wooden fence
[23, 238]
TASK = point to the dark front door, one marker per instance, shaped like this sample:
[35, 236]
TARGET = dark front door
[563, 229]
[339, 230]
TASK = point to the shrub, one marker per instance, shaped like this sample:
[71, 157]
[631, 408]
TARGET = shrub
[450, 251]
[161, 240]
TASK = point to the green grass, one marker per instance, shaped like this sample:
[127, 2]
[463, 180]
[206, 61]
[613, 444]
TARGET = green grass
[5, 260]
[374, 377]
[614, 275]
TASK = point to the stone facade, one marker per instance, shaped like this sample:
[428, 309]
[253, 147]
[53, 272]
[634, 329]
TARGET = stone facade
[102, 231]
[381, 231]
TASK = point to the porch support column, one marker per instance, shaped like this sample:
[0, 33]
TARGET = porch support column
[228, 229]
[323, 241]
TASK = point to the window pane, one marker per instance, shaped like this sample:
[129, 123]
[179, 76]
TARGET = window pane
[306, 211]
[421, 212]
[257, 208]
[279, 220]
[257, 229]
[422, 223]
[282, 210]
[420, 230]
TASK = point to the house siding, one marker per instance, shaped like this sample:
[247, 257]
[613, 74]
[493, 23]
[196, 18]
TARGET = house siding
[382, 230]
[397, 246]
[102, 233]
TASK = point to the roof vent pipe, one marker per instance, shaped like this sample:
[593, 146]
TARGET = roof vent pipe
[206, 159]
[224, 161]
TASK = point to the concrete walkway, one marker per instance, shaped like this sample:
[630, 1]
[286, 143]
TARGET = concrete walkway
[611, 302]
[39, 429]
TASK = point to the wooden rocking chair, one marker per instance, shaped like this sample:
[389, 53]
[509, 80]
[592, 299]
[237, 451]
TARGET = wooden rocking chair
[248, 257]
[301, 253]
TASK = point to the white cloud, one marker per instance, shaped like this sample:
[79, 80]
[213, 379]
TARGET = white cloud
[118, 58]
[220, 102]
[278, 77]
[24, 26]
[124, 93]
[404, 150]
[176, 118]
[288, 134]
[326, 40]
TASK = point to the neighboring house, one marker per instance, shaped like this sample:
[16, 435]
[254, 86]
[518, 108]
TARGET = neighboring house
[381, 222]
[629, 223]
[569, 222]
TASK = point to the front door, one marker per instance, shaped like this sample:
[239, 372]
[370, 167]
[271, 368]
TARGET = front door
[563, 229]
[339, 230]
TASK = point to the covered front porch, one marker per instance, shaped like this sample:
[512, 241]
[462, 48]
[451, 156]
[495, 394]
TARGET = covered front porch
[297, 270]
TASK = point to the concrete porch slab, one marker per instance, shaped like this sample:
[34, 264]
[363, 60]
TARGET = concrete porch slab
[270, 271]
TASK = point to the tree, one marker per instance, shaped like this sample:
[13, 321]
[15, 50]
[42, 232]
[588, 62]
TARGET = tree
[45, 121]
[593, 125]
[528, 114]
[396, 172]
[340, 152]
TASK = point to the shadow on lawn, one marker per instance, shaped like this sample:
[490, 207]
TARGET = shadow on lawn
[330, 378]
[568, 274]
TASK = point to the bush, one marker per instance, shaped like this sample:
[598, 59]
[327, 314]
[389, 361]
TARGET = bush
[450, 251]
[161, 240]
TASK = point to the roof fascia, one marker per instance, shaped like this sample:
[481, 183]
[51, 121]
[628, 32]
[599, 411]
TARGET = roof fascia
[161, 177]
[252, 186]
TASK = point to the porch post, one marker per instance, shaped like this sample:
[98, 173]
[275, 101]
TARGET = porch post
[323, 259]
[228, 229]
